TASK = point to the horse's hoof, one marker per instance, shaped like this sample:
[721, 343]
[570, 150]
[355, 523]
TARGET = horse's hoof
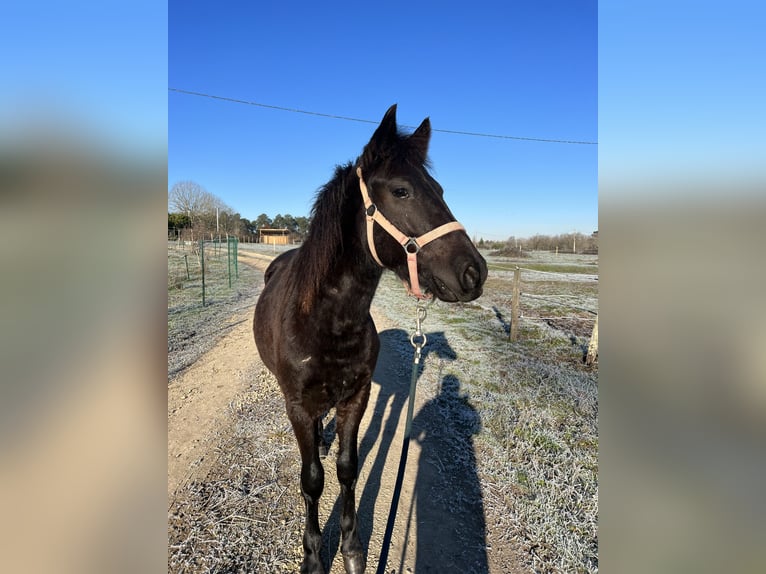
[312, 567]
[354, 562]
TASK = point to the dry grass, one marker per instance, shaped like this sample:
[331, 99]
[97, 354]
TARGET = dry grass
[535, 443]
[192, 328]
[537, 451]
[244, 516]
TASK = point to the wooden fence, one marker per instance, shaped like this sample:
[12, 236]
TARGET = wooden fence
[592, 352]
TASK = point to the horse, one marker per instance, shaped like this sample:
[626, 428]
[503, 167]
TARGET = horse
[312, 323]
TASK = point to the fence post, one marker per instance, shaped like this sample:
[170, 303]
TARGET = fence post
[186, 260]
[228, 257]
[514, 335]
[202, 260]
[592, 355]
[236, 257]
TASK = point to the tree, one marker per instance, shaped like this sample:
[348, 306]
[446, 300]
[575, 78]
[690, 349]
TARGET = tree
[250, 227]
[590, 244]
[278, 222]
[195, 201]
[263, 221]
[178, 221]
[303, 226]
[207, 213]
[190, 198]
[290, 223]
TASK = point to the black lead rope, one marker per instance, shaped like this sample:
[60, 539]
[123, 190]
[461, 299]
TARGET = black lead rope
[418, 340]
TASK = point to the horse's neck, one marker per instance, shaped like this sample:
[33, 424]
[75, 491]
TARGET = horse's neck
[352, 281]
[345, 275]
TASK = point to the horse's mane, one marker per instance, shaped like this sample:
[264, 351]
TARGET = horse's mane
[324, 240]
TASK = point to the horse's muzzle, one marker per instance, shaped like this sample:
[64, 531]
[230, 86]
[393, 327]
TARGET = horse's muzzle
[464, 282]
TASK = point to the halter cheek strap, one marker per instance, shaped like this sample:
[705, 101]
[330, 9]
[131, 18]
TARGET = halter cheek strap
[411, 245]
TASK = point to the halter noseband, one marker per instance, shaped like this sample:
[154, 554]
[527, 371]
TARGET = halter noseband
[411, 245]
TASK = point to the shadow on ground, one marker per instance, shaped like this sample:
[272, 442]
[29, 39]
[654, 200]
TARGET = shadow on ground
[448, 523]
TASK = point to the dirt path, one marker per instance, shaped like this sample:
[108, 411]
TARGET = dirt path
[198, 401]
[440, 526]
[198, 398]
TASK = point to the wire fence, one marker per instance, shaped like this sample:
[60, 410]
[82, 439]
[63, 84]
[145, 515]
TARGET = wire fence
[197, 269]
[542, 305]
[558, 303]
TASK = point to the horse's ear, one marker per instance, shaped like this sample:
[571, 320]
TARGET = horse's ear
[387, 127]
[389, 120]
[421, 137]
[382, 136]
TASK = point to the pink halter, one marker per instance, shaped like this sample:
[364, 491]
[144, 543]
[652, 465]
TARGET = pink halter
[411, 245]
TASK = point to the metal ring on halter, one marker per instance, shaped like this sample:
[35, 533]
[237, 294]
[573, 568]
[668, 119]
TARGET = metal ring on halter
[418, 345]
[411, 243]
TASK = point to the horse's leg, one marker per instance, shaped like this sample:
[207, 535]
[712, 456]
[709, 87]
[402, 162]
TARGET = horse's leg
[312, 484]
[349, 415]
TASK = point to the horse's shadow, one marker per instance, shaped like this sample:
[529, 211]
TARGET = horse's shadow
[446, 519]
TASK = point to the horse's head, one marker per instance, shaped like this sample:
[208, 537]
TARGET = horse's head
[403, 206]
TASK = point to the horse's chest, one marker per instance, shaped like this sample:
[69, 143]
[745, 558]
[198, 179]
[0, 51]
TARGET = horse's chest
[337, 364]
[328, 380]
[344, 362]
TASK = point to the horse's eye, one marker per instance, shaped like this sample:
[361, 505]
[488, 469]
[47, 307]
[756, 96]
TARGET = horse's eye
[400, 193]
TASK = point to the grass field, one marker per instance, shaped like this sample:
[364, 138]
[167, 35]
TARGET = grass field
[536, 445]
[192, 327]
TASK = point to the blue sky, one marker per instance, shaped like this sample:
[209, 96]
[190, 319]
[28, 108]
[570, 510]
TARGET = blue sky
[680, 94]
[97, 70]
[525, 69]
[681, 97]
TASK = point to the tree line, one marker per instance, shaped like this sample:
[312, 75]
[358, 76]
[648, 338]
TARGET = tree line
[562, 243]
[194, 212]
[298, 226]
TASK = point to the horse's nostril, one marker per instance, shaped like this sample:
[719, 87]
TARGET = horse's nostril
[471, 277]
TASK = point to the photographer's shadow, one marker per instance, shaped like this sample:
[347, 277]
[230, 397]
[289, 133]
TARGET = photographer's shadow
[451, 529]
[448, 521]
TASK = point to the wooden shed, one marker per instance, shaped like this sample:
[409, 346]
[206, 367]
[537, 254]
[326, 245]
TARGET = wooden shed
[274, 236]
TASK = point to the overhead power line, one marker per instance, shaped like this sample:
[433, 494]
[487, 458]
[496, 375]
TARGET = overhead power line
[350, 119]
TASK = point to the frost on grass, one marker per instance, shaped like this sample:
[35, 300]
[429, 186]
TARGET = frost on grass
[537, 441]
[243, 516]
[524, 414]
[542, 434]
[193, 328]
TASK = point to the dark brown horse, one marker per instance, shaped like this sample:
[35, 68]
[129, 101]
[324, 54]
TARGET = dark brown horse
[312, 323]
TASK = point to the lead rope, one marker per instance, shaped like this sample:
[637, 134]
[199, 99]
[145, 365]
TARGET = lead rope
[418, 340]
